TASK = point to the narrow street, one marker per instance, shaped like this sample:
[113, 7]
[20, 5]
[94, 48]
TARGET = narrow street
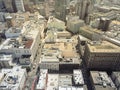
[32, 74]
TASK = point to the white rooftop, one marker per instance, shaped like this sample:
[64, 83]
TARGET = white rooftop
[78, 77]
[52, 83]
[12, 79]
[30, 29]
[71, 88]
[49, 59]
[4, 57]
[42, 79]
[101, 79]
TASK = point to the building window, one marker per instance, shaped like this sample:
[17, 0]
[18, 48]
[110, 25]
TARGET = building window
[17, 51]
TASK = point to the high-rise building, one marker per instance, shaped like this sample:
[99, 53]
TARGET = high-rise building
[49, 7]
[60, 8]
[102, 56]
[2, 7]
[19, 5]
[84, 7]
[8, 5]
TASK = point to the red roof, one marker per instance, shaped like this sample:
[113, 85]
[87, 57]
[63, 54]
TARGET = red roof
[28, 43]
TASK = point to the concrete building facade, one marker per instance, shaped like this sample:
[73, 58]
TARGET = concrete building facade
[19, 5]
[13, 79]
[103, 56]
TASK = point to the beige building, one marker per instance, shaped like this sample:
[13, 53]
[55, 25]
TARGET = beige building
[90, 33]
[74, 23]
[103, 55]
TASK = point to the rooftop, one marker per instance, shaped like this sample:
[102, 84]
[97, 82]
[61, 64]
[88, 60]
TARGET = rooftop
[14, 30]
[12, 78]
[67, 49]
[14, 43]
[101, 81]
[71, 88]
[49, 59]
[65, 80]
[55, 23]
[6, 57]
[82, 38]
[31, 29]
[52, 83]
[42, 79]
[78, 77]
[61, 81]
[104, 47]
[90, 30]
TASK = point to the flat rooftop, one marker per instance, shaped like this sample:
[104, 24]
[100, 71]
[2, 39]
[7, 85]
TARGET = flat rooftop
[6, 57]
[67, 49]
[115, 22]
[71, 88]
[89, 30]
[49, 59]
[52, 83]
[104, 47]
[42, 79]
[78, 77]
[101, 81]
[14, 30]
[31, 29]
[65, 80]
[12, 78]
[16, 43]
[55, 23]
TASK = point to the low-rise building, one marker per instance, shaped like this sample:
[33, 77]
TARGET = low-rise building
[13, 32]
[65, 80]
[53, 82]
[57, 81]
[116, 79]
[50, 62]
[55, 23]
[78, 77]
[13, 79]
[6, 60]
[73, 81]
[59, 57]
[68, 64]
[101, 81]
[27, 43]
[42, 81]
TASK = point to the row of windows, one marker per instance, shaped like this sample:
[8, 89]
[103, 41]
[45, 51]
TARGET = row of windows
[25, 51]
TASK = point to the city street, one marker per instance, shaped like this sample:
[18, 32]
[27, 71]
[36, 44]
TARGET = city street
[32, 74]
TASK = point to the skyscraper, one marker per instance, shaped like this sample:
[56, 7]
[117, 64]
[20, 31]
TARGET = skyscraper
[60, 8]
[8, 5]
[19, 5]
